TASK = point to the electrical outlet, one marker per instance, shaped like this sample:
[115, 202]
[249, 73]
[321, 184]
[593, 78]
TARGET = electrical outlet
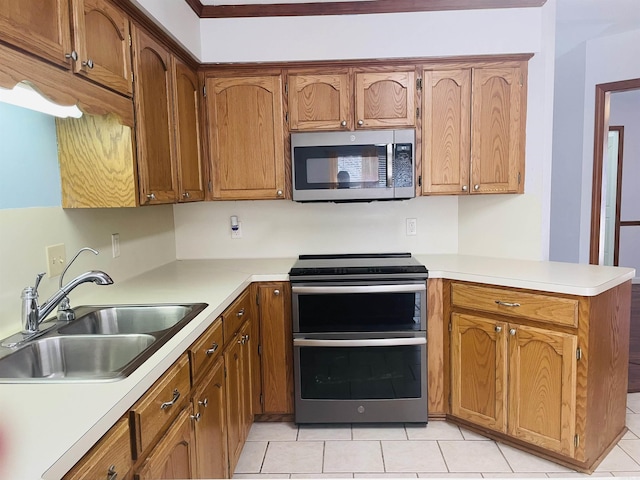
[56, 260]
[412, 226]
[115, 244]
[237, 232]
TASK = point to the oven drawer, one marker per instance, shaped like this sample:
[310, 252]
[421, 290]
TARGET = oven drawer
[514, 303]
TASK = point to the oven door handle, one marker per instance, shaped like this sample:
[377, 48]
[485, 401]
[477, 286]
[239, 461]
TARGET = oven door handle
[414, 288]
[366, 342]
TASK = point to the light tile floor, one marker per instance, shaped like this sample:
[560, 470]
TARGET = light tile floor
[439, 450]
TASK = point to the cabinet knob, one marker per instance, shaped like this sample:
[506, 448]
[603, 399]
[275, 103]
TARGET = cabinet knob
[279, 193]
[212, 350]
[151, 196]
[186, 195]
[88, 63]
[465, 188]
[240, 313]
[512, 331]
[204, 402]
[276, 292]
[73, 55]
[476, 187]
[111, 473]
[343, 123]
[196, 417]
[360, 123]
[498, 329]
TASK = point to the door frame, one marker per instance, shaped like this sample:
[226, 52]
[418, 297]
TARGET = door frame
[600, 140]
[616, 239]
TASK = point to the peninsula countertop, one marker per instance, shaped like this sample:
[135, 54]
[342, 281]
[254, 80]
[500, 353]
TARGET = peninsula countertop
[45, 428]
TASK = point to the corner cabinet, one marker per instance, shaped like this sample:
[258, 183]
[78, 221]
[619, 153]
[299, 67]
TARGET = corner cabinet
[473, 129]
[246, 136]
[348, 98]
[541, 371]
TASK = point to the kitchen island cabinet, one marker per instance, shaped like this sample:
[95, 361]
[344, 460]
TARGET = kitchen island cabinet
[542, 371]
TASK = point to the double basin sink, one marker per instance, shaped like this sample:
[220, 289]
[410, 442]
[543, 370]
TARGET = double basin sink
[103, 343]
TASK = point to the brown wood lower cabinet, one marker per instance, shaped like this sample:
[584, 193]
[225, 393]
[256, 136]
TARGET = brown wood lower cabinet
[174, 455]
[542, 371]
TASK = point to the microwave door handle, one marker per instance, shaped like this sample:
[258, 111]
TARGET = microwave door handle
[368, 342]
[389, 165]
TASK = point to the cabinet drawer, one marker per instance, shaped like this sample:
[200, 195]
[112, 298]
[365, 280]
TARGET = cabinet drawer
[160, 404]
[234, 316]
[110, 456]
[206, 349]
[540, 307]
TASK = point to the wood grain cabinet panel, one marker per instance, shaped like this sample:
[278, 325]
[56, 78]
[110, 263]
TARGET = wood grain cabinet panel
[154, 120]
[320, 101]
[246, 136]
[43, 31]
[101, 40]
[497, 130]
[188, 153]
[385, 99]
[473, 133]
[173, 458]
[109, 458]
[277, 347]
[209, 406]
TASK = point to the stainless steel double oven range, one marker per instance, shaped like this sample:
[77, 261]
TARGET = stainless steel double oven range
[360, 342]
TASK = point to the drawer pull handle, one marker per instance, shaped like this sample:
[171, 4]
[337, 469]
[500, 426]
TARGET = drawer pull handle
[176, 396]
[211, 351]
[111, 473]
[196, 417]
[204, 402]
[240, 313]
[507, 304]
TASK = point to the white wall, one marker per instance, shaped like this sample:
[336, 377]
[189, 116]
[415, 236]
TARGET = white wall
[177, 19]
[625, 111]
[282, 228]
[146, 242]
[445, 224]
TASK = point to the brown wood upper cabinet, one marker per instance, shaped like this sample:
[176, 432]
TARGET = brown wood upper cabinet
[246, 136]
[168, 125]
[93, 40]
[344, 99]
[473, 129]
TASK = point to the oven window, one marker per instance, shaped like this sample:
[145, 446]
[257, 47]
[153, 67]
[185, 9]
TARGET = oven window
[360, 312]
[359, 373]
[351, 166]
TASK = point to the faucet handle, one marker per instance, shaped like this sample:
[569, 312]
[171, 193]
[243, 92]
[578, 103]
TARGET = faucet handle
[38, 279]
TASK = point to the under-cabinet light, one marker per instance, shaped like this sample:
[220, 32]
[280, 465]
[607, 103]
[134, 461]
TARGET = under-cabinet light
[22, 95]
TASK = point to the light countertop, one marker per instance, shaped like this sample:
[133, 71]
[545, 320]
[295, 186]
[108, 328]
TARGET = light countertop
[46, 428]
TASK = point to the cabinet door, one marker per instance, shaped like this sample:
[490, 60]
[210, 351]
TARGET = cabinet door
[320, 101]
[210, 425]
[41, 28]
[233, 360]
[446, 131]
[102, 42]
[155, 142]
[497, 130]
[542, 387]
[246, 137]
[188, 144]
[174, 455]
[385, 99]
[277, 348]
[479, 371]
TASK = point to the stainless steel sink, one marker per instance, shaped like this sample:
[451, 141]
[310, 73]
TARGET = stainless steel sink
[110, 320]
[103, 343]
[79, 357]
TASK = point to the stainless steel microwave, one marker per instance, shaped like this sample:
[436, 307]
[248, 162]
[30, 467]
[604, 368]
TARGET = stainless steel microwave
[353, 166]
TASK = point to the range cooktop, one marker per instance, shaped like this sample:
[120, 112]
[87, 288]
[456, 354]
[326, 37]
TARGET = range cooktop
[391, 265]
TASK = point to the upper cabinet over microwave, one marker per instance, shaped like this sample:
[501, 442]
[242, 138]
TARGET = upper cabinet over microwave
[351, 98]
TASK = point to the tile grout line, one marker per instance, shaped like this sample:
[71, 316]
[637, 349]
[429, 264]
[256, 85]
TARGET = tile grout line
[444, 459]
[264, 457]
[504, 456]
[384, 465]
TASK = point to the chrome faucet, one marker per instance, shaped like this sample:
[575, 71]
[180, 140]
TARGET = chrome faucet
[33, 314]
[65, 312]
